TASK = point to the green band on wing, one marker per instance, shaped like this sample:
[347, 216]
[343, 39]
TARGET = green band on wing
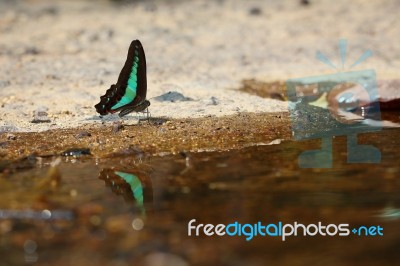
[130, 92]
[136, 186]
[132, 82]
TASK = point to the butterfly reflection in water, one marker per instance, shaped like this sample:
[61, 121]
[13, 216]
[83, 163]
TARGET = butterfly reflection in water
[129, 94]
[135, 187]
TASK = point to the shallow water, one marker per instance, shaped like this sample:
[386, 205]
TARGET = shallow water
[81, 211]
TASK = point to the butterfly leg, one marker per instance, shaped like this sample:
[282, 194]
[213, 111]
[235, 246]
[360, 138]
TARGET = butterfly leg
[148, 115]
[138, 117]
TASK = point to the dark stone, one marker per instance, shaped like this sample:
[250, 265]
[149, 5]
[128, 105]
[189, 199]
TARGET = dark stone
[304, 2]
[76, 152]
[255, 11]
[3, 144]
[118, 126]
[213, 101]
[11, 137]
[83, 134]
[172, 96]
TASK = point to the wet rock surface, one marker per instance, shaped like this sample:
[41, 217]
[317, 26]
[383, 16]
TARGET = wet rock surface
[155, 137]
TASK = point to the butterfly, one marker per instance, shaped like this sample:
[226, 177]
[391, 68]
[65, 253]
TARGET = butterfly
[129, 94]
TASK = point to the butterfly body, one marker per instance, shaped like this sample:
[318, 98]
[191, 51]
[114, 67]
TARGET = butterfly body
[129, 93]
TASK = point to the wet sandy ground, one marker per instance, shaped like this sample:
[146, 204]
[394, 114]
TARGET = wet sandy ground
[158, 136]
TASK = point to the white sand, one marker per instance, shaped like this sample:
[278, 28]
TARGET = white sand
[201, 49]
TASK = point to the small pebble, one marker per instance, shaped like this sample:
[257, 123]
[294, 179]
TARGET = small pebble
[213, 101]
[172, 96]
[3, 144]
[117, 126]
[11, 137]
[40, 115]
[83, 134]
[255, 11]
[76, 152]
[304, 2]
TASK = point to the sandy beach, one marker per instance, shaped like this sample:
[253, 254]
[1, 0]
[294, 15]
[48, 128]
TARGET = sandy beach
[60, 57]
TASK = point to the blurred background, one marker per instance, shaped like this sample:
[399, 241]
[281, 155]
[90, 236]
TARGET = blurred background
[58, 57]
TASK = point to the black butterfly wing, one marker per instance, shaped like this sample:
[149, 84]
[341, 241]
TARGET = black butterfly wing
[131, 88]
